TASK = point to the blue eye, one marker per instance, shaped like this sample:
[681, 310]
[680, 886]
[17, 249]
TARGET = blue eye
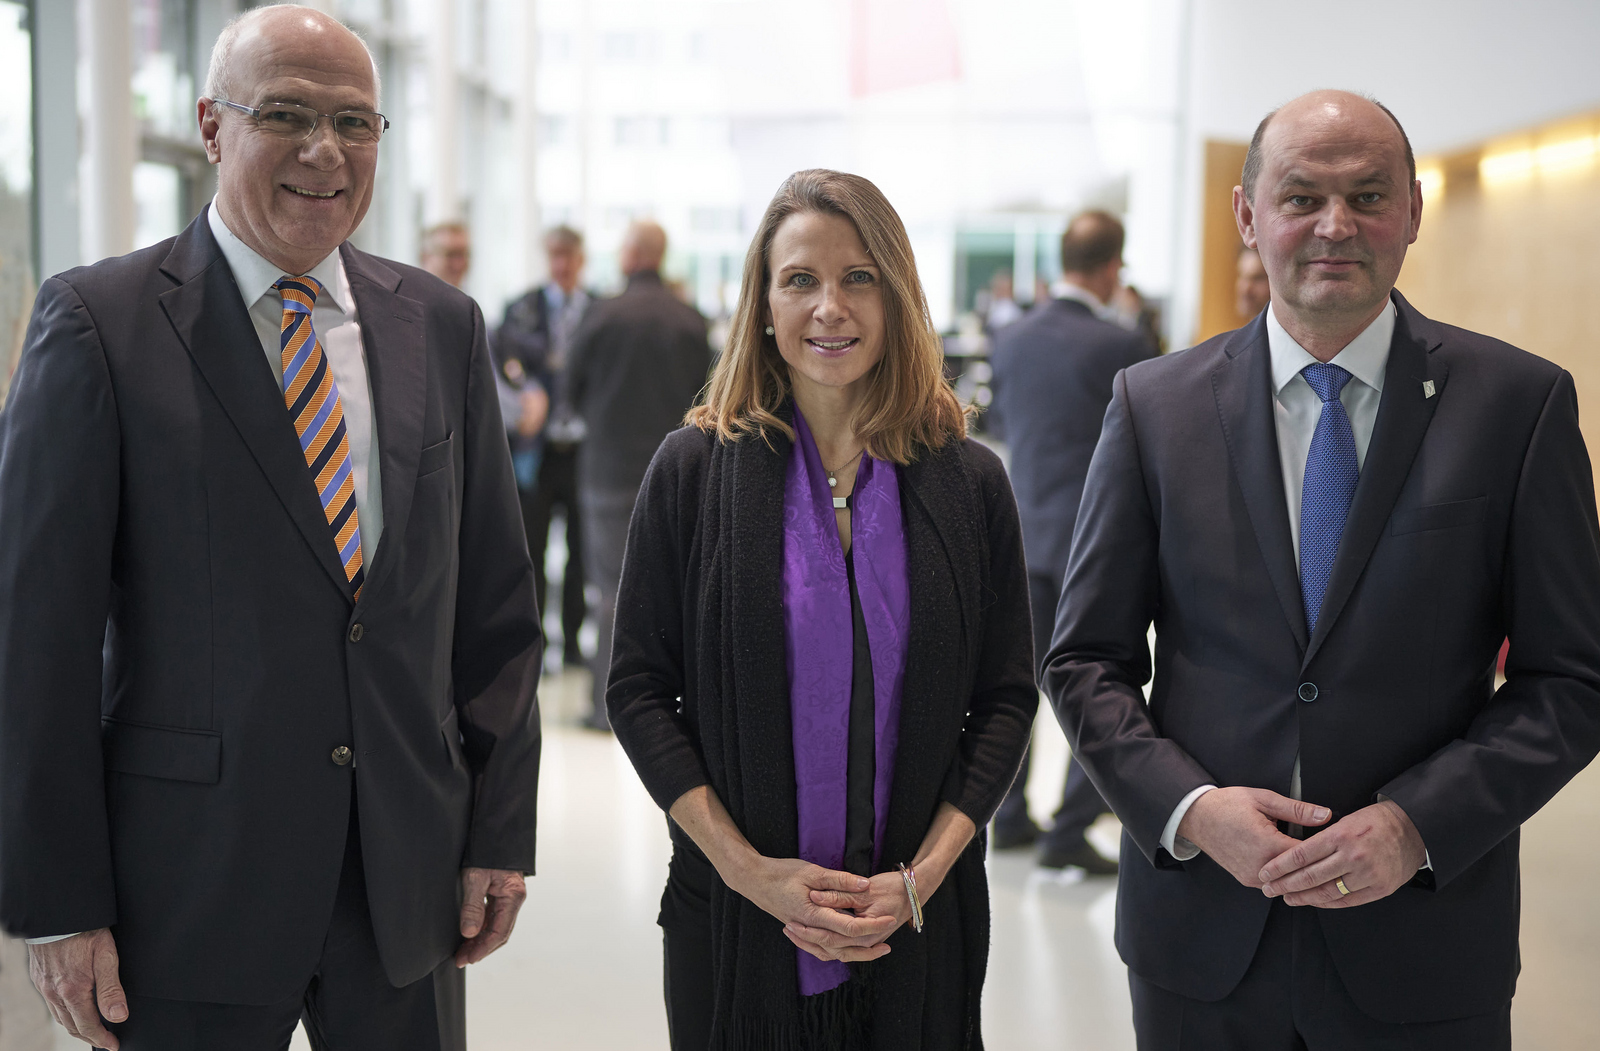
[865, 278]
[802, 280]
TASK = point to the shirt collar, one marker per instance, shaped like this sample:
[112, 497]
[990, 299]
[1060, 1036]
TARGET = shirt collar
[1365, 357]
[1067, 290]
[255, 276]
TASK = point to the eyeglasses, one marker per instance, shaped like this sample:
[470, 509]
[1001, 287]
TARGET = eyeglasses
[355, 127]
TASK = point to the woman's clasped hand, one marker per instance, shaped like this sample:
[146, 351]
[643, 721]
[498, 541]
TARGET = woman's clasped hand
[790, 889]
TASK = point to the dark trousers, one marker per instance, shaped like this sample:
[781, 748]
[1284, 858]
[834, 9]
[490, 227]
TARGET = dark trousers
[686, 984]
[557, 486]
[1292, 999]
[348, 1005]
[1080, 800]
[605, 523]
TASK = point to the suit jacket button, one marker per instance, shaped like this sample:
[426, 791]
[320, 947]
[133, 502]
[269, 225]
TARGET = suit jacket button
[1308, 691]
[341, 756]
[356, 632]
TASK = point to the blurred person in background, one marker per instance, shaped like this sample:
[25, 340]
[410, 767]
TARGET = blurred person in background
[447, 252]
[997, 304]
[638, 363]
[1331, 517]
[447, 255]
[1250, 288]
[1134, 312]
[822, 667]
[533, 346]
[269, 736]
[1052, 383]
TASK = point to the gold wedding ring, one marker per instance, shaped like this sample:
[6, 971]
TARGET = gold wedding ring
[1343, 890]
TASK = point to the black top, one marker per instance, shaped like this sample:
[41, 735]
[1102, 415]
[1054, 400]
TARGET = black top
[861, 768]
[685, 904]
[699, 695]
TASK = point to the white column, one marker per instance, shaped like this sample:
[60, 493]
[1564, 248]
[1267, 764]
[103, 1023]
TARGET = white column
[57, 150]
[110, 136]
[527, 116]
[1024, 260]
[443, 202]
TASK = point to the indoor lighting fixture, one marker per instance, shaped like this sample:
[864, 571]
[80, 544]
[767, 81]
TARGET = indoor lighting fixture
[1432, 180]
[1566, 155]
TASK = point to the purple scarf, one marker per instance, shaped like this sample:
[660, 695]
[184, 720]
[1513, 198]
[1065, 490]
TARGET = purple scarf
[820, 643]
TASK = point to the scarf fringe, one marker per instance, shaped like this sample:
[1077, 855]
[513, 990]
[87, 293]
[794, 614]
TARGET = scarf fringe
[837, 1020]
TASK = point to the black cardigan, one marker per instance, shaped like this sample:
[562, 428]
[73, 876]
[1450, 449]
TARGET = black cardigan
[702, 583]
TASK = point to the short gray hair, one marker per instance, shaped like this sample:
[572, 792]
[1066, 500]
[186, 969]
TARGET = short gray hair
[219, 74]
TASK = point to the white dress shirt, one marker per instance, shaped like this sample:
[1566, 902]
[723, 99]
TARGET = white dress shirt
[1296, 408]
[335, 322]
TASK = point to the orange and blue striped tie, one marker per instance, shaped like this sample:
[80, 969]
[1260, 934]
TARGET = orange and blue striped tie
[312, 396]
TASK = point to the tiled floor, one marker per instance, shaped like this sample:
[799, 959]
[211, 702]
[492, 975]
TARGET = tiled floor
[583, 970]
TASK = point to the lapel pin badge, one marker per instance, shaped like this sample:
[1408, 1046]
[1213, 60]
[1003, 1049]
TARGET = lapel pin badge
[1427, 389]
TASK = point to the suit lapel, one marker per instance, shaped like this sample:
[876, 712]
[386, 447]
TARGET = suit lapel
[1242, 385]
[208, 314]
[393, 336]
[1404, 413]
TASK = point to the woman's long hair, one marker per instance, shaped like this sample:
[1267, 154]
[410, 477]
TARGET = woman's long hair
[908, 400]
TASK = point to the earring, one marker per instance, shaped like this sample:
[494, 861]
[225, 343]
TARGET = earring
[771, 331]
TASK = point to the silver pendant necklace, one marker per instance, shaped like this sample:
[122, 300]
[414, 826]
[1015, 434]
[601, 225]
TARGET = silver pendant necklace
[833, 480]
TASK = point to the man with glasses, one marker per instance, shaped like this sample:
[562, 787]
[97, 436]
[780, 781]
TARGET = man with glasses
[269, 738]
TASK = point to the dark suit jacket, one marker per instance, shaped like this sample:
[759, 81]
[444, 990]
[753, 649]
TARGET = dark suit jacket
[638, 363]
[1052, 383]
[178, 653]
[1474, 519]
[524, 336]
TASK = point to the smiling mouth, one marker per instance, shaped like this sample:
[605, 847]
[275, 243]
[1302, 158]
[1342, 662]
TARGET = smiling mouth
[833, 346]
[311, 193]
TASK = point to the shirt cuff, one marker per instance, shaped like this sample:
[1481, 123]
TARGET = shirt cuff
[52, 938]
[1178, 847]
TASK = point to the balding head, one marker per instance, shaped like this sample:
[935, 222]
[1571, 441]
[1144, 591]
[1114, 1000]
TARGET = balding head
[644, 246]
[1331, 203]
[1329, 105]
[223, 77]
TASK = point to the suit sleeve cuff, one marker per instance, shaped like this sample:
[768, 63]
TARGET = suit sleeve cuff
[51, 938]
[1427, 859]
[1178, 847]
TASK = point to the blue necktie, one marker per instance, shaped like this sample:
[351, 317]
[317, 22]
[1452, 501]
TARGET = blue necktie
[1330, 484]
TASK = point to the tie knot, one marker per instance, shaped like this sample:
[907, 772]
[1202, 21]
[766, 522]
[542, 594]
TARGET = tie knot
[299, 293]
[1327, 380]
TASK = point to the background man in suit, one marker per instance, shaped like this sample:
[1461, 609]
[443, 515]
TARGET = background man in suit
[638, 363]
[1333, 516]
[269, 739]
[533, 347]
[1052, 383]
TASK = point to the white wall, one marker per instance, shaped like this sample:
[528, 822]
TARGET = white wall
[1454, 71]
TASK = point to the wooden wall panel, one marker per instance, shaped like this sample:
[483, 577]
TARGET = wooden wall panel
[1219, 239]
[1514, 252]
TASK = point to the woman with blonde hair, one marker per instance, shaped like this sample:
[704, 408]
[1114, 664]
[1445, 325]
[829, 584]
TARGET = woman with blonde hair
[822, 665]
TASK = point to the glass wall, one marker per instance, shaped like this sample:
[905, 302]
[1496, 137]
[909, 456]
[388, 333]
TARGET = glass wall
[172, 180]
[16, 184]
